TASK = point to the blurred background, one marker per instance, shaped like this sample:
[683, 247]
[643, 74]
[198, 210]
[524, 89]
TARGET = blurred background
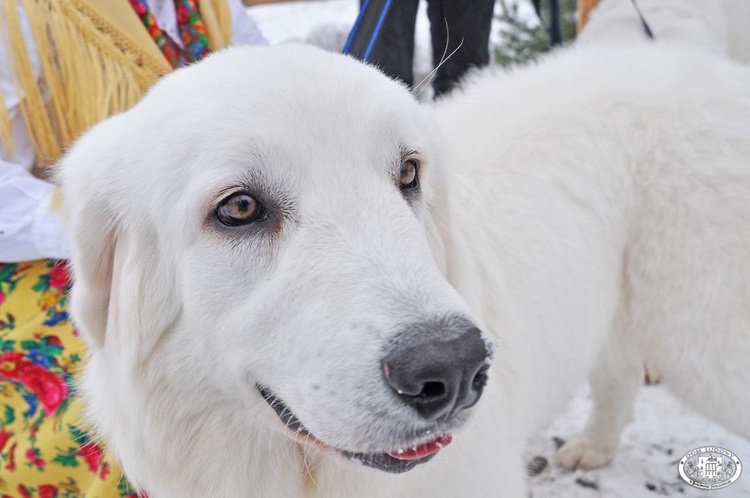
[518, 34]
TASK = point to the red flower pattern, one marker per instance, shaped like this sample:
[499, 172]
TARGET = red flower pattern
[183, 14]
[59, 277]
[192, 31]
[36, 365]
[50, 388]
[92, 453]
[53, 340]
[11, 466]
[11, 365]
[47, 491]
[32, 456]
[4, 437]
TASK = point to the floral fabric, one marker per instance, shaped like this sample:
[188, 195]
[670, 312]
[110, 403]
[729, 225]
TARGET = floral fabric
[45, 451]
[190, 25]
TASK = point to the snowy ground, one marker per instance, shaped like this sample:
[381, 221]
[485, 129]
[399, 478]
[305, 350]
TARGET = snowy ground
[663, 430]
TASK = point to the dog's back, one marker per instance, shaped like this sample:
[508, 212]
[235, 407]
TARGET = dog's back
[717, 26]
[612, 185]
[697, 23]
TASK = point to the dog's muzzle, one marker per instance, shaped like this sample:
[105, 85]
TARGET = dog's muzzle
[437, 369]
[395, 461]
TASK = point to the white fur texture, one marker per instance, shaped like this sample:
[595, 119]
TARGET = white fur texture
[717, 26]
[604, 189]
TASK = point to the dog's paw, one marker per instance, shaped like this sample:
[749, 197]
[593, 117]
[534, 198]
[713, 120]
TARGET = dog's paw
[583, 453]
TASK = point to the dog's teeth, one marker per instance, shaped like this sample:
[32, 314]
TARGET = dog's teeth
[400, 391]
[427, 432]
[439, 445]
[400, 451]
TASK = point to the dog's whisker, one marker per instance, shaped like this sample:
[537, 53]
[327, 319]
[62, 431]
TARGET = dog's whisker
[443, 59]
[432, 74]
[306, 464]
[290, 448]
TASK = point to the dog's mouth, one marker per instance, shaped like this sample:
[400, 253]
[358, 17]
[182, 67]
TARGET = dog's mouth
[395, 461]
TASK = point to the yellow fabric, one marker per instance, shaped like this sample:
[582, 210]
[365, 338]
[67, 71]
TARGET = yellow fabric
[97, 59]
[40, 430]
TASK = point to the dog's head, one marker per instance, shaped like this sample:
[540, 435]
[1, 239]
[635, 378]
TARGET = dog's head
[256, 228]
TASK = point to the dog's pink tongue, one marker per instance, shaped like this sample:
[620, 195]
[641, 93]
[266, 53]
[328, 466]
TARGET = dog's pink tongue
[422, 450]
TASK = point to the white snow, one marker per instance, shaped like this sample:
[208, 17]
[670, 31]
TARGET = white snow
[663, 430]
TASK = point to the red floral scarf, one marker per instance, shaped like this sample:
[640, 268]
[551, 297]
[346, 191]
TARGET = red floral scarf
[192, 32]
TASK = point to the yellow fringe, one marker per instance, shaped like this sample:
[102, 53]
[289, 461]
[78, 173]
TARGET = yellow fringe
[90, 69]
[32, 105]
[5, 133]
[84, 84]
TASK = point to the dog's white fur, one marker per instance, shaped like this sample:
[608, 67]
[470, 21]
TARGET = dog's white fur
[604, 189]
[717, 26]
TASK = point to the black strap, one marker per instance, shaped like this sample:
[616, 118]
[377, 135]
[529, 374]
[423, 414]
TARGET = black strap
[646, 27]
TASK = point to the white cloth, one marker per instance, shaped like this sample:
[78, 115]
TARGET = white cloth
[29, 229]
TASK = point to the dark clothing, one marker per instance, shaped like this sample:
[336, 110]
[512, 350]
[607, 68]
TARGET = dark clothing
[451, 22]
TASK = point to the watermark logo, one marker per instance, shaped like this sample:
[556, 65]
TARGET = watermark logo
[710, 467]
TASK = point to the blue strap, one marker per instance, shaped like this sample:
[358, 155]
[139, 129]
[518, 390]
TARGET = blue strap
[360, 38]
[356, 26]
[377, 30]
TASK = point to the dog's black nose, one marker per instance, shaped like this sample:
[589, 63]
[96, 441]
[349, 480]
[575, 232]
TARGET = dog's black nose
[438, 371]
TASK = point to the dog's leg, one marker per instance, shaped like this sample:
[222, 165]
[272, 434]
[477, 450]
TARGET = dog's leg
[614, 384]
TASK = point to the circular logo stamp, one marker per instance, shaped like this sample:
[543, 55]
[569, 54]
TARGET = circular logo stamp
[710, 467]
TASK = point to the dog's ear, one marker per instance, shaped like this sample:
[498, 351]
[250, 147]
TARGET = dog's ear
[123, 290]
[91, 242]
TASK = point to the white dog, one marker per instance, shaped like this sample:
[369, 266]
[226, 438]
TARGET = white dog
[718, 26]
[282, 236]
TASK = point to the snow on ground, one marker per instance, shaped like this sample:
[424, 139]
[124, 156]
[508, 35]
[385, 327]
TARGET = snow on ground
[663, 430]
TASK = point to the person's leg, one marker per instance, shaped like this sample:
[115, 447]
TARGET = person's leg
[454, 23]
[555, 26]
[393, 49]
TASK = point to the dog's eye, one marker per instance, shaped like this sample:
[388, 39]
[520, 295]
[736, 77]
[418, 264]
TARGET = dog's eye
[239, 209]
[409, 174]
